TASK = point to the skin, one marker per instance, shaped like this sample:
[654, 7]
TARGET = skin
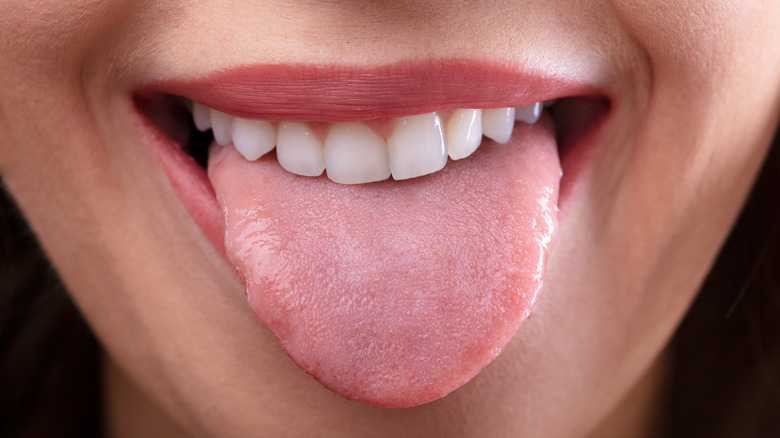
[697, 86]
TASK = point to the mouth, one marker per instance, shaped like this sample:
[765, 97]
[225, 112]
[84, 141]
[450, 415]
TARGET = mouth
[391, 225]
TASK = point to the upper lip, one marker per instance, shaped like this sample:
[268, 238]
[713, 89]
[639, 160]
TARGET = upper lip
[338, 93]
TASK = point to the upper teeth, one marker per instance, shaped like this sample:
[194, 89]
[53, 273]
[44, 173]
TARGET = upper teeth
[353, 153]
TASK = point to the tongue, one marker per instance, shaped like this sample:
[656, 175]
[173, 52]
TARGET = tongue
[394, 293]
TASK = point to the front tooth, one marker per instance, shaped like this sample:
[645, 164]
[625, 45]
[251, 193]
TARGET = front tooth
[298, 150]
[201, 115]
[354, 154]
[464, 133]
[498, 123]
[222, 127]
[417, 146]
[253, 138]
[529, 113]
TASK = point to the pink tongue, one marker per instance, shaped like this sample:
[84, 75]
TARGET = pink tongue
[394, 293]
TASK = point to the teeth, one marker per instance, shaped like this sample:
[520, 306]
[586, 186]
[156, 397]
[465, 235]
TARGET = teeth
[498, 124]
[417, 146]
[253, 138]
[354, 154]
[222, 127]
[298, 150]
[529, 113]
[201, 115]
[464, 133]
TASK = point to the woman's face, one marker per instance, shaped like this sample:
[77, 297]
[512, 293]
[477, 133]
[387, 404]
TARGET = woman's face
[685, 95]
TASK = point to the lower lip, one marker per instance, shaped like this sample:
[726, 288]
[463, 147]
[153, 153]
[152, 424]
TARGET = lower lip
[578, 147]
[188, 179]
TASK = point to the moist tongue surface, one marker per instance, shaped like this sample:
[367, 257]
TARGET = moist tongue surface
[394, 293]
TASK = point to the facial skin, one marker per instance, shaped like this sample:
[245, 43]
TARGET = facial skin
[696, 89]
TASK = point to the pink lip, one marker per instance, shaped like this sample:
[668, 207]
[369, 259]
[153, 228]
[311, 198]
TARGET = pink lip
[340, 93]
[337, 93]
[333, 93]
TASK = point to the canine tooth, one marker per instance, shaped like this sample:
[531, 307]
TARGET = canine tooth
[464, 133]
[298, 150]
[417, 146]
[222, 127]
[355, 154]
[529, 113]
[253, 138]
[498, 123]
[201, 115]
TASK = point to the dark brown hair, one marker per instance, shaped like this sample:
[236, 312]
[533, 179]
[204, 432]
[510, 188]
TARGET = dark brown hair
[48, 356]
[726, 354]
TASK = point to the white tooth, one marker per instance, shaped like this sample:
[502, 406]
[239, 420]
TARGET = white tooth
[464, 133]
[529, 113]
[498, 123]
[253, 138]
[222, 127]
[417, 146]
[298, 150]
[201, 115]
[354, 154]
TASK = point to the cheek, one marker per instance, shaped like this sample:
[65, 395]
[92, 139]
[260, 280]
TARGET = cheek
[49, 35]
[706, 127]
[714, 87]
[652, 221]
[707, 49]
[48, 41]
[687, 30]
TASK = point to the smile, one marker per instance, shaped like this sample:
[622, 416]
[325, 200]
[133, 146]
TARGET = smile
[396, 292]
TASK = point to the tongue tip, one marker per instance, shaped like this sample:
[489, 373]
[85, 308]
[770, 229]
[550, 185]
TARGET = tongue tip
[400, 382]
[390, 388]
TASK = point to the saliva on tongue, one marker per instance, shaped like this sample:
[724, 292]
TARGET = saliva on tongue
[394, 293]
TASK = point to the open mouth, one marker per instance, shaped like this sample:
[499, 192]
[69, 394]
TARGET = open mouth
[392, 236]
[370, 151]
